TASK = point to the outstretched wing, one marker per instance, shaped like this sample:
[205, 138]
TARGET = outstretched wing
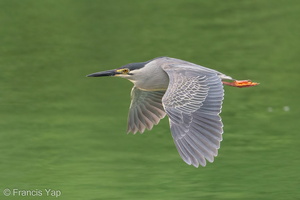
[145, 110]
[193, 103]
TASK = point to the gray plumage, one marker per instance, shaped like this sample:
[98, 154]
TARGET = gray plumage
[190, 95]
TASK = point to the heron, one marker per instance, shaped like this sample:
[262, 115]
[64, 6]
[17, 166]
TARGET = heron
[189, 94]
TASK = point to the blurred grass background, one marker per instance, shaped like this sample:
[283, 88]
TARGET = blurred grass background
[63, 131]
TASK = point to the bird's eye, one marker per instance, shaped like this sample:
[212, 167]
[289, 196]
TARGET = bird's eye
[125, 71]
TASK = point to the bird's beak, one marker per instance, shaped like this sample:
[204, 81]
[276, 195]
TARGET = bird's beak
[104, 73]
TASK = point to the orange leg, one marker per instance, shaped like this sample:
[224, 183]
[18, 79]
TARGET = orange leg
[240, 84]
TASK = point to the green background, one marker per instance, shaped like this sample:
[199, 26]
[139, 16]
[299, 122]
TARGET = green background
[62, 131]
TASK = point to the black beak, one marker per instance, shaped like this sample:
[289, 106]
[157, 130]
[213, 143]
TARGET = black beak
[104, 73]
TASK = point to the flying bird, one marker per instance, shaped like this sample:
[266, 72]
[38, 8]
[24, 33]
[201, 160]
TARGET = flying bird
[189, 94]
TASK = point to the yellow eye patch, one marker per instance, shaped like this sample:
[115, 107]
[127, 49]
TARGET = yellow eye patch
[123, 71]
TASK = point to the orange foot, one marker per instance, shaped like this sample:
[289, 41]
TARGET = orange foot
[240, 84]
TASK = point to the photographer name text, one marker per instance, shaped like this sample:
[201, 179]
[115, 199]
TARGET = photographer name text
[32, 193]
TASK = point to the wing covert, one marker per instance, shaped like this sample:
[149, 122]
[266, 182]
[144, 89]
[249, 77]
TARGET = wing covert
[193, 103]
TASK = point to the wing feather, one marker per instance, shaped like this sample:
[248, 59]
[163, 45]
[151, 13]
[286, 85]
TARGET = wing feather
[145, 110]
[193, 102]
